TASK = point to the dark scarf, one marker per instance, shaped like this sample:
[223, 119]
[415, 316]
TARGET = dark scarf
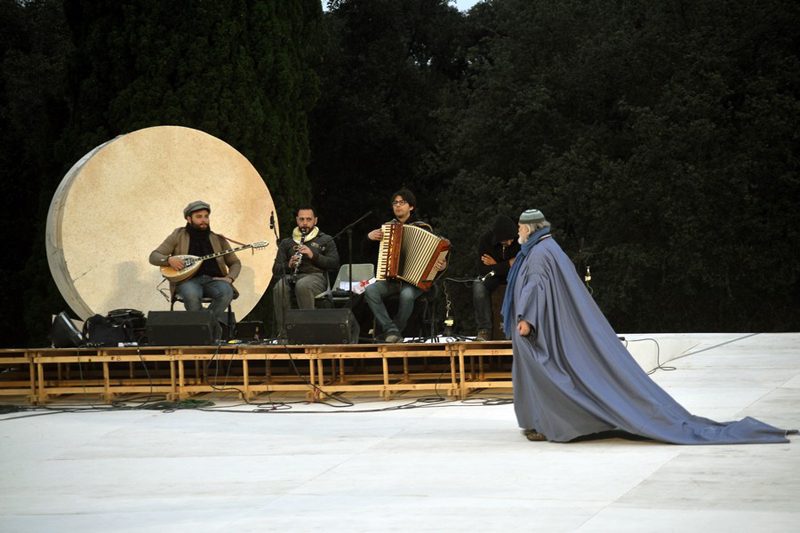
[410, 220]
[509, 321]
[200, 245]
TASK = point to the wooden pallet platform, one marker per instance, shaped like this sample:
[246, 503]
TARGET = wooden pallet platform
[17, 374]
[484, 365]
[179, 372]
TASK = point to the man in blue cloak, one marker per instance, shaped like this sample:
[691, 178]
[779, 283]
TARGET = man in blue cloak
[573, 377]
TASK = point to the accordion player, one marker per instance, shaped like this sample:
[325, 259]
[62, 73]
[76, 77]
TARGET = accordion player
[410, 253]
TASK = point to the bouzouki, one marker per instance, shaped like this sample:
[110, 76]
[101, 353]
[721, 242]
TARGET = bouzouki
[192, 262]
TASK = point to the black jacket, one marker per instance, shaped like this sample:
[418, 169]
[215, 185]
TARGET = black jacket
[326, 256]
[489, 243]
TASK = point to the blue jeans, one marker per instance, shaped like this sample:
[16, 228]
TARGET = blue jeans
[376, 293]
[482, 301]
[193, 290]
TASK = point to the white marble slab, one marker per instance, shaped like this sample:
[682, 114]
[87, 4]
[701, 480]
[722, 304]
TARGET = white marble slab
[623, 520]
[451, 466]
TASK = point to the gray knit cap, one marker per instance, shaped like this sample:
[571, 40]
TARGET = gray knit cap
[531, 216]
[195, 206]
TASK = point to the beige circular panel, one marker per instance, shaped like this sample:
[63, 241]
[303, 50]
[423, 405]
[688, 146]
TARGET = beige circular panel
[122, 199]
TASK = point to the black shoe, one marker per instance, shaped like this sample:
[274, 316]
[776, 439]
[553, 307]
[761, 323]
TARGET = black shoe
[393, 337]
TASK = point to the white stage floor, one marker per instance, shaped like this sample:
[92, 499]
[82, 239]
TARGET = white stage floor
[449, 466]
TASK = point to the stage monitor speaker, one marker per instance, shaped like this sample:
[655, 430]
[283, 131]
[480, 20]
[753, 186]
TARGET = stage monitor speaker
[321, 326]
[63, 333]
[182, 328]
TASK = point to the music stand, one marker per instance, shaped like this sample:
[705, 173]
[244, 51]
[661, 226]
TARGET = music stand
[349, 230]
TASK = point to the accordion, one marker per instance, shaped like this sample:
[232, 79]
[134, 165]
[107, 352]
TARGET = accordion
[410, 253]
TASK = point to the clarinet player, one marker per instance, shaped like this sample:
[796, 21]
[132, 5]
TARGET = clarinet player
[300, 265]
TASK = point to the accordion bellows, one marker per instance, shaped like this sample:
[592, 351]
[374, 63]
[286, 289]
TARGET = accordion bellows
[410, 253]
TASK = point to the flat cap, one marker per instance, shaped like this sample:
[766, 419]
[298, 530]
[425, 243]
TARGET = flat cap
[531, 216]
[195, 206]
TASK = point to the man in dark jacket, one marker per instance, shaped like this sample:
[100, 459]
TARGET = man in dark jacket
[316, 253]
[496, 251]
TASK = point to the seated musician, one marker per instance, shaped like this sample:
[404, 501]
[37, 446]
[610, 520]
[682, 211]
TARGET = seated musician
[214, 278]
[316, 253]
[497, 249]
[403, 204]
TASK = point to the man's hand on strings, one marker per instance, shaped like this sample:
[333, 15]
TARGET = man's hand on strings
[175, 262]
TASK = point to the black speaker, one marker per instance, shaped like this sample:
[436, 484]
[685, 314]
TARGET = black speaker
[182, 328]
[321, 326]
[63, 333]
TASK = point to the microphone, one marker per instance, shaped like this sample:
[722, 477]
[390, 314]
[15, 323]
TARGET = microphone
[272, 220]
[487, 276]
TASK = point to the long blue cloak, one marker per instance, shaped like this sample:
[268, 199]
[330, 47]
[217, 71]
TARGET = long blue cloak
[573, 377]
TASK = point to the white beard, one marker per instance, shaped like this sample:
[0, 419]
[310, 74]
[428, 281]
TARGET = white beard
[522, 240]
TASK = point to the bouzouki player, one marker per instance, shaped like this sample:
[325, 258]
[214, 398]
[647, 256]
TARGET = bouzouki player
[213, 278]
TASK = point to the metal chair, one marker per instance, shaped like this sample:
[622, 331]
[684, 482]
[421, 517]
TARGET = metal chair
[336, 296]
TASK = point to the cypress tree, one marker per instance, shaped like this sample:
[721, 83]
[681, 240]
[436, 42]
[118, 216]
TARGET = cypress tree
[236, 69]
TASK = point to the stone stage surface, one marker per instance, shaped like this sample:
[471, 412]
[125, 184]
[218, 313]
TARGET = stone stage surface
[419, 461]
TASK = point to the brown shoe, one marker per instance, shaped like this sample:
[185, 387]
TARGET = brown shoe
[533, 435]
[483, 335]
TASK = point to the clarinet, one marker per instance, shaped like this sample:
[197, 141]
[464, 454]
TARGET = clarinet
[299, 256]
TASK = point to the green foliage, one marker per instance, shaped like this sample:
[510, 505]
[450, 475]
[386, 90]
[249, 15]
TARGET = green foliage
[384, 67]
[237, 69]
[33, 46]
[661, 141]
[660, 138]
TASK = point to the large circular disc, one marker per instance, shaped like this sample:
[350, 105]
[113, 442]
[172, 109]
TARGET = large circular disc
[122, 199]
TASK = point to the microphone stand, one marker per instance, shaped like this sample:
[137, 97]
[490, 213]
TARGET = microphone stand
[349, 230]
[283, 271]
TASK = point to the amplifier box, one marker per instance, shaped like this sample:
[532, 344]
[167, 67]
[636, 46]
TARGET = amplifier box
[321, 326]
[182, 328]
